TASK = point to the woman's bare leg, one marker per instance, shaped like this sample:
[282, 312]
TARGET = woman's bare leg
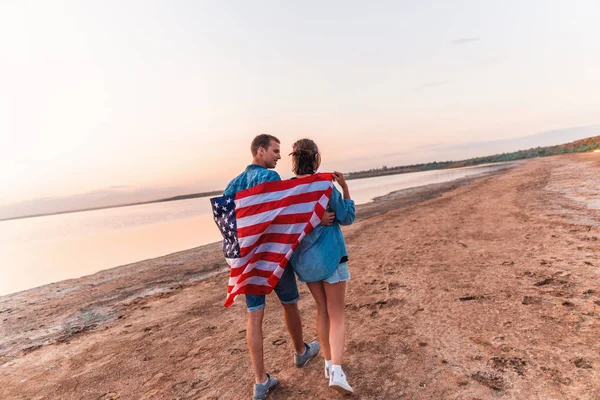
[335, 295]
[318, 292]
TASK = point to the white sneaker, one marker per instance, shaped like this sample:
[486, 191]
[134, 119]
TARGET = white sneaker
[327, 372]
[338, 382]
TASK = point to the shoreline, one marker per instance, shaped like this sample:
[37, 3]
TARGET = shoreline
[215, 193]
[471, 289]
[405, 197]
[378, 205]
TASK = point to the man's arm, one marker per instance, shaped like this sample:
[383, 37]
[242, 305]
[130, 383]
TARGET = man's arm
[328, 218]
[270, 176]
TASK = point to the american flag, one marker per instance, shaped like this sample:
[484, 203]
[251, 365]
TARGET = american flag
[262, 226]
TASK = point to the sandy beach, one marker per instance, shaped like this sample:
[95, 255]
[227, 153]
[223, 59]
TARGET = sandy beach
[481, 289]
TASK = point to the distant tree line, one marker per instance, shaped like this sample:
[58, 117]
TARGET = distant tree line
[579, 146]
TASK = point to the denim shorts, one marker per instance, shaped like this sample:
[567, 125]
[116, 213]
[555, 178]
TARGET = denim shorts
[286, 290]
[341, 274]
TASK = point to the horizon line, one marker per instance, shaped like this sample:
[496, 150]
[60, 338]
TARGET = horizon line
[215, 192]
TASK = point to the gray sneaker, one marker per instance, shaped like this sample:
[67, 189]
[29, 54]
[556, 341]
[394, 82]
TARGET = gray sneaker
[260, 390]
[310, 351]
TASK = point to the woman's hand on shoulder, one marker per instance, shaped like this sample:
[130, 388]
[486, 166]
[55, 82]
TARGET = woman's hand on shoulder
[339, 178]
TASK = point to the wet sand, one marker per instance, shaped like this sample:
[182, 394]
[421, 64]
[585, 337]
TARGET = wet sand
[480, 289]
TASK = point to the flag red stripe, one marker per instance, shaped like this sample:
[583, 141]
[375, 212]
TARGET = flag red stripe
[272, 205]
[282, 238]
[279, 220]
[320, 211]
[266, 256]
[268, 187]
[254, 272]
[252, 289]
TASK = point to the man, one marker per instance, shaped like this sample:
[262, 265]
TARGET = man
[265, 153]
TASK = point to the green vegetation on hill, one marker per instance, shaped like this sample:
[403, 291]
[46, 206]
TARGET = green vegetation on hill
[579, 146]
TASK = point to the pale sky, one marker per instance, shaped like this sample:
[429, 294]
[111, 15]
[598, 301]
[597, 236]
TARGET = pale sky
[160, 98]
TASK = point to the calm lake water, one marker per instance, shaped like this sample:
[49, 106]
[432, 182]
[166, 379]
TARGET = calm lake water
[41, 250]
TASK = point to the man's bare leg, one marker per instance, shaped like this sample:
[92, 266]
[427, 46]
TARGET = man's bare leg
[293, 322]
[254, 338]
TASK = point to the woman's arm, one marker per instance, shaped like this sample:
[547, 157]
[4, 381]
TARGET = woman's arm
[344, 209]
[339, 177]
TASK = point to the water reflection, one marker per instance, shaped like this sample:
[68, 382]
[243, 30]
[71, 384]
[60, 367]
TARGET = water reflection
[36, 251]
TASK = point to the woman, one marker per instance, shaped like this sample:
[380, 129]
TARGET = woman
[321, 261]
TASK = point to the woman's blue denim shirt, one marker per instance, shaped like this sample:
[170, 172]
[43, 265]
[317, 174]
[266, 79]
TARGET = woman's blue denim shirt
[319, 253]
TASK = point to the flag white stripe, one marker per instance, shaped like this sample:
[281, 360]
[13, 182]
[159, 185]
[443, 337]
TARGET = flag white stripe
[238, 262]
[302, 235]
[271, 214]
[281, 248]
[315, 220]
[253, 280]
[270, 247]
[323, 201]
[260, 265]
[279, 195]
[275, 228]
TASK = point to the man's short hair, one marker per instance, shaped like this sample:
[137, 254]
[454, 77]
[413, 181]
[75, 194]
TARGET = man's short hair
[263, 141]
